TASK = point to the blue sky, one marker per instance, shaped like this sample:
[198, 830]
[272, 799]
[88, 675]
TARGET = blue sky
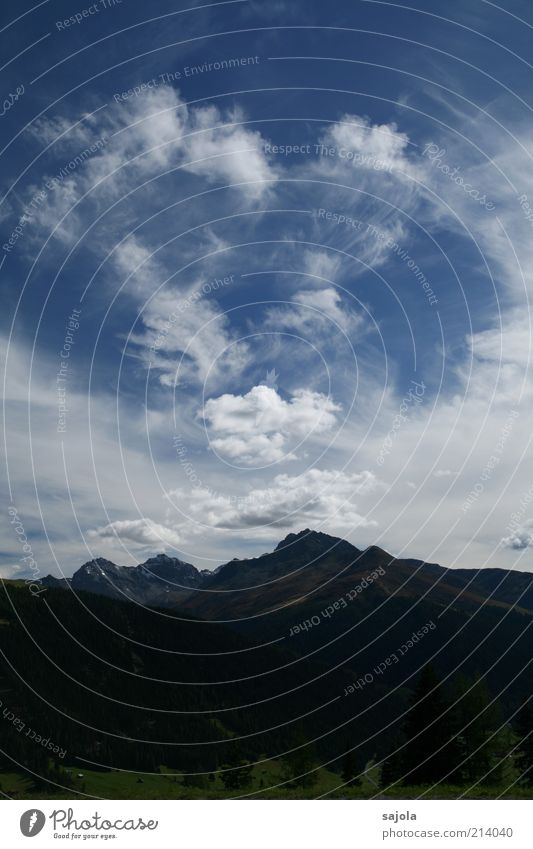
[284, 250]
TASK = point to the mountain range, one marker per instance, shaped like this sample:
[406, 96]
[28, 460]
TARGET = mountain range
[151, 663]
[323, 599]
[305, 572]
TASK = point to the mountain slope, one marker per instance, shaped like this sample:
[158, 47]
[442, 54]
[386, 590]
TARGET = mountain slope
[148, 583]
[306, 571]
[298, 627]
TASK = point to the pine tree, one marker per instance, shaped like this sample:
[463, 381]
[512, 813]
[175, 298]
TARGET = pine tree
[429, 748]
[298, 765]
[482, 737]
[391, 770]
[237, 779]
[197, 781]
[524, 749]
[350, 769]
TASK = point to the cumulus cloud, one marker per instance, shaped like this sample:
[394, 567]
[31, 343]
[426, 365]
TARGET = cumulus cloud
[317, 497]
[259, 426]
[259, 448]
[8, 571]
[143, 532]
[520, 538]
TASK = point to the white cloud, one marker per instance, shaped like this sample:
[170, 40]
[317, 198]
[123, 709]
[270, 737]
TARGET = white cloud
[466, 419]
[58, 467]
[256, 449]
[184, 330]
[520, 538]
[143, 532]
[327, 304]
[146, 135]
[512, 343]
[131, 255]
[359, 143]
[9, 572]
[191, 324]
[317, 497]
[322, 265]
[228, 153]
[257, 427]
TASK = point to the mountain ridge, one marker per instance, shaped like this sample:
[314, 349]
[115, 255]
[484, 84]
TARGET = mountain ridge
[304, 568]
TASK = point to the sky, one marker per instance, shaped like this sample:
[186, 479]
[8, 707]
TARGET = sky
[266, 266]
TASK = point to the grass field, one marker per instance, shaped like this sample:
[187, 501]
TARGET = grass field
[262, 785]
